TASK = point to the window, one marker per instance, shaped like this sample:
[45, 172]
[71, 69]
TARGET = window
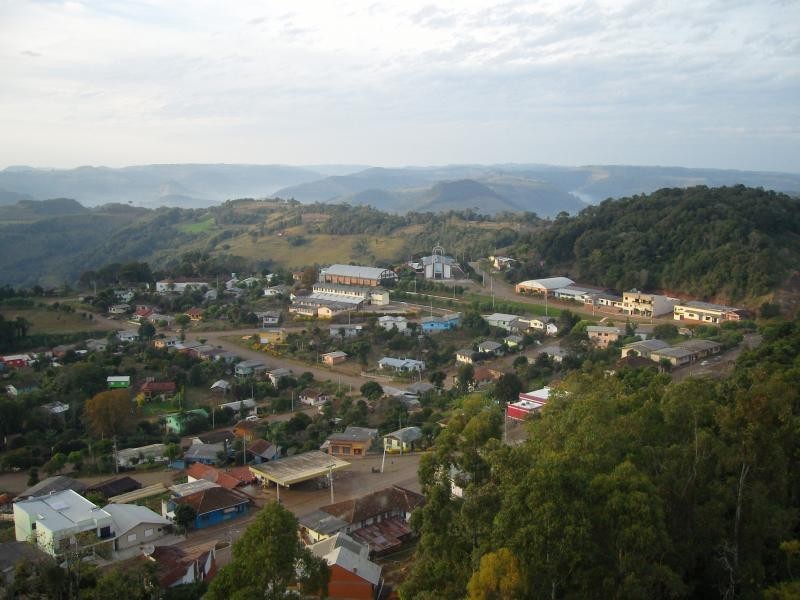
[132, 537]
[148, 533]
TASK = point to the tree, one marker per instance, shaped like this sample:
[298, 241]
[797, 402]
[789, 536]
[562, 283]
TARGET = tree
[185, 515]
[267, 560]
[110, 413]
[76, 458]
[146, 331]
[464, 376]
[497, 577]
[56, 463]
[665, 331]
[437, 378]
[507, 388]
[33, 476]
[372, 390]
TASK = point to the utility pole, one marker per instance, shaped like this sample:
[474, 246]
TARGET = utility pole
[330, 478]
[116, 457]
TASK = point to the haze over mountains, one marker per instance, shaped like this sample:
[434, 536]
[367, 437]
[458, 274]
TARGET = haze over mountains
[545, 190]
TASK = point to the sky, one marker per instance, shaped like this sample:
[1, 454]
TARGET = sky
[704, 83]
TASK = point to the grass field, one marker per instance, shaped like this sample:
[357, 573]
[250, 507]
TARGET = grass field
[52, 321]
[200, 227]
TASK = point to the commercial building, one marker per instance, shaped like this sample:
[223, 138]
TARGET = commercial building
[356, 275]
[544, 286]
[647, 305]
[528, 404]
[705, 312]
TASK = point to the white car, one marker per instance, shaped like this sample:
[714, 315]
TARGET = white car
[251, 418]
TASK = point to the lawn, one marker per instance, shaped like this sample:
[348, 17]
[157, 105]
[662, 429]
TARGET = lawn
[52, 321]
[199, 227]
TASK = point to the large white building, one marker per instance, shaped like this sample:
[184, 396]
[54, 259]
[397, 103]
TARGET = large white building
[356, 275]
[705, 312]
[647, 305]
[438, 265]
[544, 286]
[61, 521]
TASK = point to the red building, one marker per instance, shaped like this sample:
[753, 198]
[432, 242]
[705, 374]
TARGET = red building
[528, 404]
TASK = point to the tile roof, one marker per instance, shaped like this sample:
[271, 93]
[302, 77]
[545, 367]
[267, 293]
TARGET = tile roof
[374, 504]
[212, 499]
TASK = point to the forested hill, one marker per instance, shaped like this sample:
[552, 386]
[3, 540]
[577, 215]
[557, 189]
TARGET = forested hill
[726, 244]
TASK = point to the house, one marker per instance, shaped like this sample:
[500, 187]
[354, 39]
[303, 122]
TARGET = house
[529, 403]
[501, 263]
[404, 365]
[490, 347]
[275, 290]
[272, 337]
[17, 361]
[602, 336]
[247, 368]
[608, 302]
[129, 335]
[96, 345]
[246, 430]
[542, 287]
[62, 520]
[115, 487]
[179, 287]
[124, 295]
[214, 437]
[643, 348]
[443, 323]
[353, 442]
[466, 356]
[356, 275]
[345, 331]
[314, 397]
[380, 519]
[130, 457]
[546, 325]
[268, 318]
[706, 312]
[389, 322]
[195, 314]
[119, 309]
[277, 374]
[246, 406]
[166, 342]
[352, 576]
[263, 450]
[136, 525]
[182, 566]
[402, 440]
[334, 358]
[56, 408]
[513, 341]
[352, 293]
[686, 352]
[151, 388]
[419, 388]
[176, 422]
[483, 376]
[220, 386]
[212, 506]
[207, 454]
[51, 485]
[647, 305]
[142, 313]
[230, 478]
[501, 320]
[118, 381]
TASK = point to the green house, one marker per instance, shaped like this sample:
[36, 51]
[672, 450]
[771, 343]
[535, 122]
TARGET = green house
[176, 422]
[118, 381]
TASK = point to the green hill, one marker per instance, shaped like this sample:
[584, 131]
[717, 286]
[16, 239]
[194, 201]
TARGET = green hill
[727, 244]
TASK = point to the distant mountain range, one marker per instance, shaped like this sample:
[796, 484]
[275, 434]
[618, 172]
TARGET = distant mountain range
[545, 190]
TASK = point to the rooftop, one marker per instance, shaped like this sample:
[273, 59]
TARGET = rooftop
[54, 484]
[297, 468]
[359, 272]
[354, 434]
[374, 504]
[406, 434]
[548, 283]
[212, 499]
[128, 516]
[61, 510]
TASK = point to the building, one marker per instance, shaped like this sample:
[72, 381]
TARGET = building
[180, 286]
[546, 325]
[353, 293]
[378, 519]
[529, 403]
[346, 331]
[687, 352]
[352, 575]
[17, 361]
[705, 312]
[232, 478]
[136, 525]
[248, 368]
[206, 454]
[543, 287]
[246, 430]
[130, 457]
[501, 263]
[356, 275]
[608, 302]
[166, 342]
[602, 336]
[401, 365]
[195, 314]
[269, 318]
[151, 388]
[513, 341]
[276, 375]
[334, 358]
[220, 387]
[61, 521]
[115, 487]
[647, 305]
[246, 406]
[118, 381]
[501, 320]
[119, 309]
[389, 322]
[402, 440]
[183, 566]
[643, 348]
[443, 323]
[129, 335]
[176, 422]
[212, 506]
[465, 356]
[262, 451]
[439, 266]
[51, 485]
[314, 397]
[353, 442]
[490, 347]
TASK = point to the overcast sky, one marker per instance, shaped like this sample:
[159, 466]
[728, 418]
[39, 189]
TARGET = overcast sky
[700, 83]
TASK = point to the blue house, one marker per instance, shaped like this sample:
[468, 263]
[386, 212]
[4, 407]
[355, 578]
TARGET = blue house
[443, 323]
[213, 505]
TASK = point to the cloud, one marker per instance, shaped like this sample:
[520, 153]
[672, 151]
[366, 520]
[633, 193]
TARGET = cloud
[544, 81]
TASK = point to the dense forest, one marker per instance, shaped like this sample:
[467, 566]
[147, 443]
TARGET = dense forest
[628, 487]
[727, 244]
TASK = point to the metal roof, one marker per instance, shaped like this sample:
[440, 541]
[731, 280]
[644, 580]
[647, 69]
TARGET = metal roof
[548, 283]
[359, 272]
[297, 468]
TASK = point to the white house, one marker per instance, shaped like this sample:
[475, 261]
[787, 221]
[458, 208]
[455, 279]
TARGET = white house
[401, 364]
[136, 525]
[501, 320]
[55, 522]
[388, 322]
